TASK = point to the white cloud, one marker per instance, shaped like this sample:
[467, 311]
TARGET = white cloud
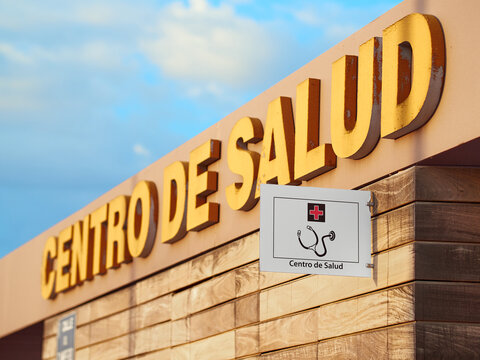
[14, 55]
[141, 150]
[200, 43]
[337, 20]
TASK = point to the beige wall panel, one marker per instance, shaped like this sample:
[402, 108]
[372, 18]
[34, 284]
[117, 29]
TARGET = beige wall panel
[212, 292]
[219, 347]
[426, 183]
[82, 336]
[401, 304]
[307, 352]
[268, 279]
[289, 331]
[350, 316]
[49, 348]
[181, 352]
[178, 275]
[401, 342]
[362, 346]
[345, 347]
[372, 345]
[112, 303]
[157, 355]
[246, 340]
[83, 314]
[213, 321]
[201, 267]
[247, 310]
[393, 228]
[180, 304]
[152, 338]
[236, 254]
[180, 331]
[110, 327]
[50, 326]
[111, 350]
[152, 287]
[83, 354]
[247, 279]
[392, 267]
[153, 312]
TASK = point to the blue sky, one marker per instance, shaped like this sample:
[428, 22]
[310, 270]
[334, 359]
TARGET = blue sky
[91, 92]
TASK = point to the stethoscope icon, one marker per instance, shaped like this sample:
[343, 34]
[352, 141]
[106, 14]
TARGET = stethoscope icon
[313, 247]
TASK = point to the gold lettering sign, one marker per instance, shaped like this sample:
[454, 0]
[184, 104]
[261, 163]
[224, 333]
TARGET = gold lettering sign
[389, 90]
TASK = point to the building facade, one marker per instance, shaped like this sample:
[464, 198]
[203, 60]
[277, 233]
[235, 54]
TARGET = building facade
[166, 264]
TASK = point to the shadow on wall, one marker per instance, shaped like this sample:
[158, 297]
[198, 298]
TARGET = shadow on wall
[24, 344]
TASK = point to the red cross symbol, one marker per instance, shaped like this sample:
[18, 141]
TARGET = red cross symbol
[316, 212]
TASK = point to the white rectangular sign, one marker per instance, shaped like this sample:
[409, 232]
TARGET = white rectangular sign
[309, 230]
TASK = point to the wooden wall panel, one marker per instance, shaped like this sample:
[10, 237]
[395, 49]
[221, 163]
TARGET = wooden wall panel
[212, 292]
[247, 310]
[247, 340]
[307, 352]
[118, 348]
[289, 331]
[219, 347]
[447, 340]
[153, 312]
[213, 321]
[422, 301]
[152, 338]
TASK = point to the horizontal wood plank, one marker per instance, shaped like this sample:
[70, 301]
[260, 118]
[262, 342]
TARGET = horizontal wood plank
[354, 315]
[437, 183]
[246, 340]
[213, 321]
[180, 304]
[289, 331]
[112, 303]
[153, 312]
[236, 254]
[247, 279]
[391, 268]
[247, 310]
[165, 354]
[111, 350]
[180, 331]
[443, 261]
[219, 347]
[449, 222]
[426, 183]
[393, 191]
[307, 352]
[401, 304]
[454, 302]
[49, 348]
[152, 287]
[397, 342]
[152, 338]
[212, 292]
[401, 342]
[447, 341]
[110, 327]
